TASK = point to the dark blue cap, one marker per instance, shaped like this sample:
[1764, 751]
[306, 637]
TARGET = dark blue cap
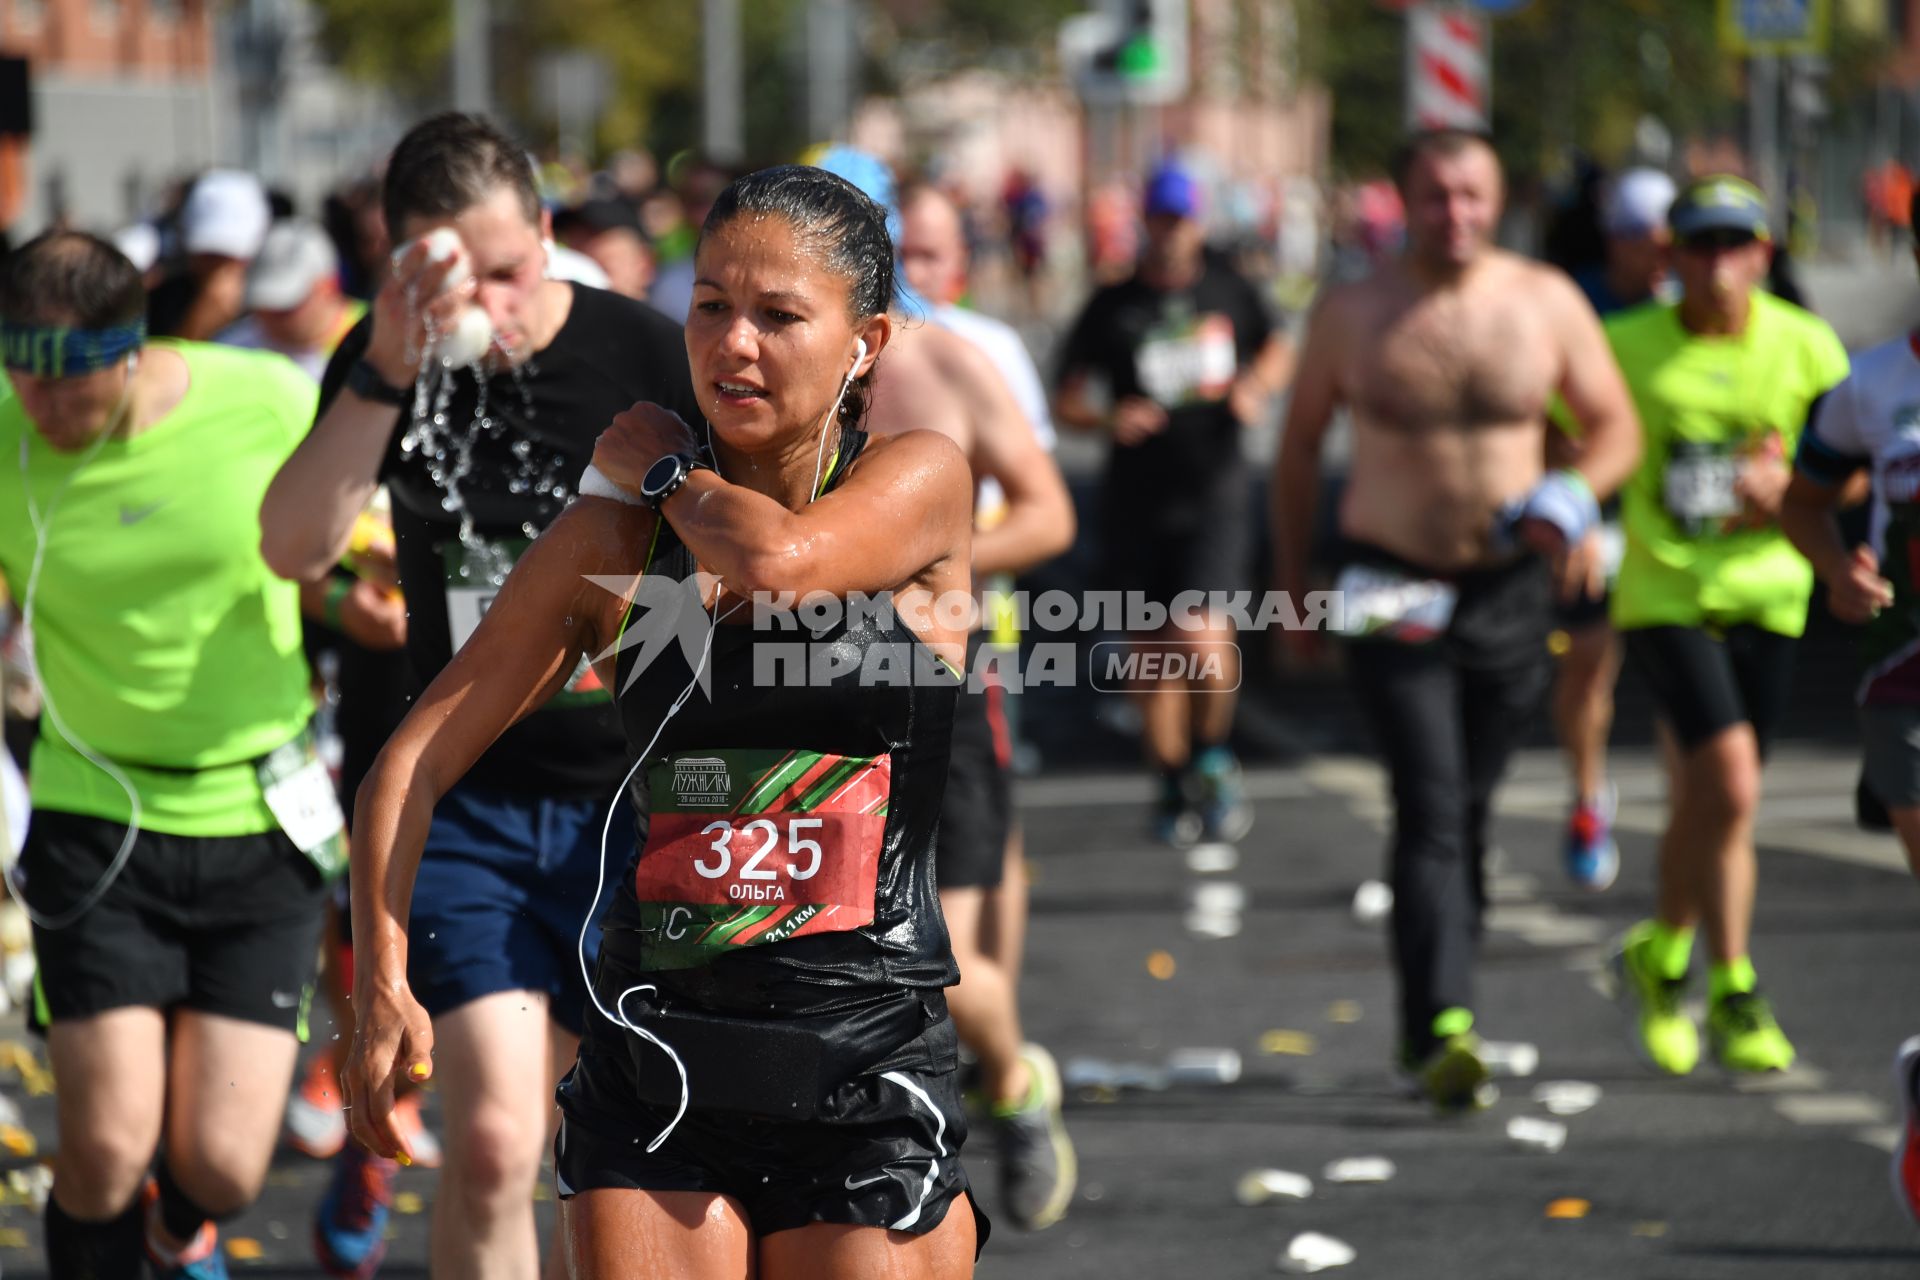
[1172, 190]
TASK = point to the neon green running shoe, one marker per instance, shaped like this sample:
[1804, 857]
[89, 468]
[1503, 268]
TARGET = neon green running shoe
[1663, 1033]
[1454, 1076]
[1744, 1036]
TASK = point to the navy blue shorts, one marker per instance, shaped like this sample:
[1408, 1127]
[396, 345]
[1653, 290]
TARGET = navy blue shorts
[504, 886]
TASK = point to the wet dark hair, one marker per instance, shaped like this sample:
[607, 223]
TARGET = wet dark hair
[1436, 142]
[70, 278]
[837, 224]
[448, 163]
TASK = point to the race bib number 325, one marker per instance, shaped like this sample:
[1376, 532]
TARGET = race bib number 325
[750, 847]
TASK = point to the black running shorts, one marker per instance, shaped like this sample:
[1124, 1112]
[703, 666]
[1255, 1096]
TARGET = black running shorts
[1704, 683]
[228, 925]
[976, 814]
[878, 1146]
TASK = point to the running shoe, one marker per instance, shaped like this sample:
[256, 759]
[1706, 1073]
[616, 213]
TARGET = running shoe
[316, 1126]
[413, 1127]
[1663, 1032]
[1906, 1156]
[350, 1229]
[1037, 1166]
[1593, 859]
[1744, 1036]
[1224, 811]
[201, 1260]
[1453, 1076]
[1176, 821]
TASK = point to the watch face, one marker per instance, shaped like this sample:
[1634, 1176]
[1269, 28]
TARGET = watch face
[660, 475]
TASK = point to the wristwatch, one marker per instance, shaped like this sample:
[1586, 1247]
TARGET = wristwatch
[664, 478]
[365, 381]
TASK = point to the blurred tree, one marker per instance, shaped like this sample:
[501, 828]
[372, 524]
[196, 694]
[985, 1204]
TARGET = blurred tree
[1569, 77]
[652, 48]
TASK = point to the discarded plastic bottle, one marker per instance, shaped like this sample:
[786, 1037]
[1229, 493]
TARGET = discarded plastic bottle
[1310, 1251]
[1258, 1186]
[1535, 1134]
[1204, 1066]
[1359, 1169]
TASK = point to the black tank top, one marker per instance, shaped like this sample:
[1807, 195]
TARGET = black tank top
[823, 743]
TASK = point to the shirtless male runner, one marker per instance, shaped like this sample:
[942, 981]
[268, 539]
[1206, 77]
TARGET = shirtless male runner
[1453, 534]
[933, 379]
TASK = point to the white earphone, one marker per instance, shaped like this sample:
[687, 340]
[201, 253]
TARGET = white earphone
[859, 354]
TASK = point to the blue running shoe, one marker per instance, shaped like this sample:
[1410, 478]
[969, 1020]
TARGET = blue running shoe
[1593, 859]
[350, 1229]
[1224, 811]
[1175, 820]
[201, 1260]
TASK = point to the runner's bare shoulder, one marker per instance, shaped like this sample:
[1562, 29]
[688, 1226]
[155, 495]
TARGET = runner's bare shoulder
[1542, 283]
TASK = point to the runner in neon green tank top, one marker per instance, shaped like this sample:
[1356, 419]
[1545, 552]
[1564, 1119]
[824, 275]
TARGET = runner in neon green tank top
[1711, 598]
[175, 785]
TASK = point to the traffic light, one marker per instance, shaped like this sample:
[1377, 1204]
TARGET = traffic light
[1129, 51]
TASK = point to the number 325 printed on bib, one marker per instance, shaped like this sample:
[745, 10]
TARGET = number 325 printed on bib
[746, 848]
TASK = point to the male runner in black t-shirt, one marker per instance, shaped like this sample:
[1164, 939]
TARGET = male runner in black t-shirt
[1189, 357]
[476, 468]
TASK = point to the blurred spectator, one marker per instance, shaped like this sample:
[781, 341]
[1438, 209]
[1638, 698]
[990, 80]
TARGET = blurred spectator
[140, 242]
[634, 174]
[294, 299]
[672, 292]
[1112, 234]
[222, 224]
[1027, 211]
[1575, 240]
[607, 230]
[1888, 193]
[1634, 222]
[570, 264]
[358, 229]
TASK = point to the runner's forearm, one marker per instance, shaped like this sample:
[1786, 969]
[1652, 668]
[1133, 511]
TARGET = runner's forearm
[1039, 525]
[1294, 500]
[1814, 530]
[390, 823]
[306, 521]
[1611, 453]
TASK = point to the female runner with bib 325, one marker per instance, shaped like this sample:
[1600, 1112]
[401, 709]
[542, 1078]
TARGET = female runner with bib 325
[767, 1083]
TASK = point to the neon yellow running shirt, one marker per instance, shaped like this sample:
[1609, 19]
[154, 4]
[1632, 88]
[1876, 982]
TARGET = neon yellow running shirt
[161, 635]
[1707, 404]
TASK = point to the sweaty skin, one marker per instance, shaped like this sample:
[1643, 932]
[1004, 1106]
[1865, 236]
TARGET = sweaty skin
[1447, 361]
[936, 380]
[1449, 393]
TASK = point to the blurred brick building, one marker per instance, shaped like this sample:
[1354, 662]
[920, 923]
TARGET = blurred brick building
[123, 100]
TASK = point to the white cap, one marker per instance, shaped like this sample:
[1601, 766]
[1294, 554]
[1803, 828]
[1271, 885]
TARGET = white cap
[571, 264]
[1638, 203]
[226, 214]
[140, 242]
[296, 258]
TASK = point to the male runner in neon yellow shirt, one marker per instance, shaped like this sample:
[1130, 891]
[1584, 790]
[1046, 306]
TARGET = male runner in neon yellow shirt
[175, 788]
[1711, 598]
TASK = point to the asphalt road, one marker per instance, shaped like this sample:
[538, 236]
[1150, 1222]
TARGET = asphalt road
[1663, 1178]
[1703, 1177]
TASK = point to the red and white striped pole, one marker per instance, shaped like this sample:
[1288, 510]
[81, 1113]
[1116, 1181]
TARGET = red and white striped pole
[1448, 85]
